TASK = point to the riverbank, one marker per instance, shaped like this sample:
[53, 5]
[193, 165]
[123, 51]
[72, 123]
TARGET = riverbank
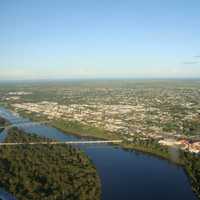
[173, 155]
[150, 147]
[3, 122]
[72, 127]
[83, 131]
[161, 152]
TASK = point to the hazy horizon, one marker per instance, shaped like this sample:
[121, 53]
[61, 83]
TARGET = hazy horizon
[103, 79]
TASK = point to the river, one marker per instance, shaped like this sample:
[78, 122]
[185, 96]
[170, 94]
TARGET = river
[124, 174]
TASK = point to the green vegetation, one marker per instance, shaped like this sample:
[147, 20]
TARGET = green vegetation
[83, 130]
[3, 122]
[167, 106]
[3, 104]
[190, 162]
[192, 167]
[72, 127]
[152, 147]
[45, 171]
[191, 127]
[169, 127]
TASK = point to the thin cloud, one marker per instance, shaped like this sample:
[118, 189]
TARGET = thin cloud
[191, 63]
[198, 56]
[194, 61]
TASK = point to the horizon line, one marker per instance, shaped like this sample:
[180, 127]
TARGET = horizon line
[97, 78]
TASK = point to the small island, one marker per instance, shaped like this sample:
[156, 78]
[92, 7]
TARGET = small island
[45, 171]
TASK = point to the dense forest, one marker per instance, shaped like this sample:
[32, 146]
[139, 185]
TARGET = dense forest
[45, 171]
[192, 167]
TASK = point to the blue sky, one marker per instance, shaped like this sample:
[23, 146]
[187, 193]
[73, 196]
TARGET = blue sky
[99, 38]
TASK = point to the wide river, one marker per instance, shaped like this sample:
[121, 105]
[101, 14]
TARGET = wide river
[127, 175]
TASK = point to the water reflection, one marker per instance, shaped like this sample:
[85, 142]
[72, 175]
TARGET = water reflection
[124, 174]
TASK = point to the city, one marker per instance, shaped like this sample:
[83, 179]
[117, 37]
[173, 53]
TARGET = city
[99, 100]
[171, 117]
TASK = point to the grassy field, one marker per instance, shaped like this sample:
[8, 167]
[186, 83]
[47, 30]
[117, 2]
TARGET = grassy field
[83, 130]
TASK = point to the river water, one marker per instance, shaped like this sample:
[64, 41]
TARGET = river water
[125, 175]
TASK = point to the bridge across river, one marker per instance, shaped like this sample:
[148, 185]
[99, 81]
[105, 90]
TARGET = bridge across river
[25, 124]
[62, 142]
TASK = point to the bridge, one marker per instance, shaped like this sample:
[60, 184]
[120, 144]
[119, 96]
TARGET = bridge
[62, 142]
[28, 123]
